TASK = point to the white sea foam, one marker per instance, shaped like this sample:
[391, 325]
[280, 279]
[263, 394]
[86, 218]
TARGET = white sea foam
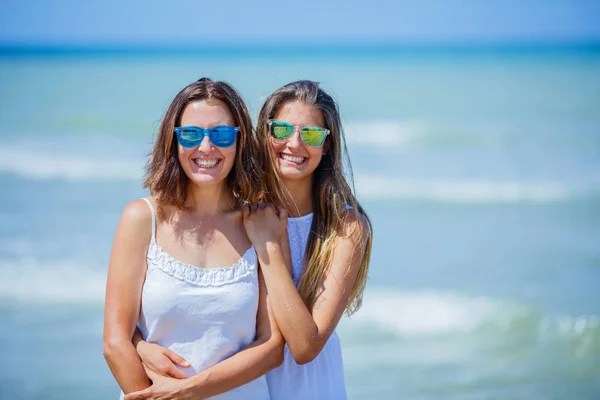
[439, 313]
[32, 282]
[33, 163]
[381, 187]
[425, 313]
[40, 166]
[369, 186]
[382, 135]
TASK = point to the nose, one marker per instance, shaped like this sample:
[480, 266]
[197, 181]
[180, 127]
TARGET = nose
[295, 140]
[205, 145]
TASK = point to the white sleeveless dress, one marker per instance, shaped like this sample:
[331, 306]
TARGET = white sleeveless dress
[322, 378]
[203, 314]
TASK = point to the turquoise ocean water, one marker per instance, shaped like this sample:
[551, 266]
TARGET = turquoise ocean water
[479, 168]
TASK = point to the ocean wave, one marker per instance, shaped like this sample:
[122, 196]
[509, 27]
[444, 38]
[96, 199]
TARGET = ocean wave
[32, 282]
[424, 313]
[484, 336]
[68, 167]
[378, 187]
[382, 135]
[436, 314]
[381, 187]
[458, 324]
[440, 134]
[403, 313]
[398, 135]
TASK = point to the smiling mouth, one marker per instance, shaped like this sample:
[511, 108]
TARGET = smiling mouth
[206, 164]
[293, 159]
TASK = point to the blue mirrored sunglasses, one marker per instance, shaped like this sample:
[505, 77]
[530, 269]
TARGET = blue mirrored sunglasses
[220, 136]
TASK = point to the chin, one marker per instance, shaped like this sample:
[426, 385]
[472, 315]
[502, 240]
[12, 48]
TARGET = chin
[203, 179]
[293, 175]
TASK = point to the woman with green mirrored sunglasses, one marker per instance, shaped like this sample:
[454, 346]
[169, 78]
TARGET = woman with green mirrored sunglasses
[318, 271]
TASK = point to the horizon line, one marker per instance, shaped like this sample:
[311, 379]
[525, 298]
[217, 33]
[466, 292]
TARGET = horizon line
[591, 46]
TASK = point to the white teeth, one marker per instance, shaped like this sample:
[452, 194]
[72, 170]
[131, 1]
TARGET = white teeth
[297, 160]
[205, 163]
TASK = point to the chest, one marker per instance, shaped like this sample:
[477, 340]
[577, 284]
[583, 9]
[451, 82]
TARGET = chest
[177, 294]
[202, 246]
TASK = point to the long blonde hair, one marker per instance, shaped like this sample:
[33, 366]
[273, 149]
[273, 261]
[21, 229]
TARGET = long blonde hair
[335, 208]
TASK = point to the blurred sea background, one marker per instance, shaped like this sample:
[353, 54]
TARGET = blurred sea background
[478, 164]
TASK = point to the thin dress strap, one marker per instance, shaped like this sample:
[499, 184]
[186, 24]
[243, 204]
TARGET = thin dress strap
[153, 218]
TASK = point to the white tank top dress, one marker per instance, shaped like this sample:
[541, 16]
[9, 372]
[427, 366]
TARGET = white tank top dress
[203, 314]
[323, 377]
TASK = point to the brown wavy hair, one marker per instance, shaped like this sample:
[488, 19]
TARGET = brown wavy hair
[165, 178]
[335, 208]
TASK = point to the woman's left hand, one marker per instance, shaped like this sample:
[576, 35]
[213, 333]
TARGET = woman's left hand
[163, 388]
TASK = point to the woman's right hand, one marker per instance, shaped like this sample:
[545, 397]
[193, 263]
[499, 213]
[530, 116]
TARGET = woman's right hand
[161, 360]
[264, 224]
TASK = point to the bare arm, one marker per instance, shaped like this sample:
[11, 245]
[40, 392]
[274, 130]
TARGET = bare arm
[160, 360]
[306, 330]
[126, 274]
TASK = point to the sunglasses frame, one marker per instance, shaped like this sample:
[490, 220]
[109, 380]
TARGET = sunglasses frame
[326, 132]
[206, 132]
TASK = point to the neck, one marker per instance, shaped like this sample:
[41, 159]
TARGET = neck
[208, 199]
[298, 201]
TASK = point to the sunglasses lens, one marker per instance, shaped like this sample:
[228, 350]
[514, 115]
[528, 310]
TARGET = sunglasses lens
[281, 130]
[189, 137]
[313, 136]
[223, 136]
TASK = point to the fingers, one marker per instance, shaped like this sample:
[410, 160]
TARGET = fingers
[271, 209]
[176, 373]
[140, 395]
[168, 369]
[177, 359]
[151, 374]
[283, 214]
[261, 208]
[252, 208]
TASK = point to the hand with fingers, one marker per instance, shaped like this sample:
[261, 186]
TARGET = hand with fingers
[264, 224]
[163, 388]
[161, 360]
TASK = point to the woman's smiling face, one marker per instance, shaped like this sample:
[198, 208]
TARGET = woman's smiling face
[207, 164]
[294, 159]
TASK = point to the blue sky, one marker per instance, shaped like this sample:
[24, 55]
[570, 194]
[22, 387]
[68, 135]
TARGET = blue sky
[206, 22]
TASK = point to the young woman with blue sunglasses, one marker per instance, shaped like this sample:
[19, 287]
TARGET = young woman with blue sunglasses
[182, 268]
[316, 269]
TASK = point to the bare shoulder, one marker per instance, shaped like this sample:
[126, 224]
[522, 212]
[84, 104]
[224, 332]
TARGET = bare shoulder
[137, 218]
[137, 212]
[356, 225]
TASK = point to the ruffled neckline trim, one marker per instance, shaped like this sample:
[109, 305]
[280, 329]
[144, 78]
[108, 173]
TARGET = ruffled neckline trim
[163, 261]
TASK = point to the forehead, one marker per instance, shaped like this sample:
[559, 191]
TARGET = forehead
[206, 114]
[299, 113]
